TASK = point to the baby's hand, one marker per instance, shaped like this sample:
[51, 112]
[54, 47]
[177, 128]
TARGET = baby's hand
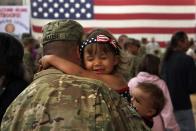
[45, 62]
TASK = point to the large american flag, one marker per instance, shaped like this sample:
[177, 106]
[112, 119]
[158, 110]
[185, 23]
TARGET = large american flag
[135, 18]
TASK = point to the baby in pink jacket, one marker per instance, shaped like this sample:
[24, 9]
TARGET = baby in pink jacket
[149, 72]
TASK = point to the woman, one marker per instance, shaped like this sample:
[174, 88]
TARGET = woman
[179, 72]
[12, 80]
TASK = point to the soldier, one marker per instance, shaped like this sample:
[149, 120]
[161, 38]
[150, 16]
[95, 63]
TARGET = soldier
[57, 102]
[29, 61]
[130, 58]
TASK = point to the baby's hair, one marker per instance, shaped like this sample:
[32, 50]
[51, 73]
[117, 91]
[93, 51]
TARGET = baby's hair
[156, 95]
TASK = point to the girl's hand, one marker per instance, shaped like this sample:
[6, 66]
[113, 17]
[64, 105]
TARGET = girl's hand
[44, 62]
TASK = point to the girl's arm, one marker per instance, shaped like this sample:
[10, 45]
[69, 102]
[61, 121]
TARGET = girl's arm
[114, 81]
[61, 64]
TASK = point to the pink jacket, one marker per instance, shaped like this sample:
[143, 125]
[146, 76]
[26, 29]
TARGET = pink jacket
[166, 119]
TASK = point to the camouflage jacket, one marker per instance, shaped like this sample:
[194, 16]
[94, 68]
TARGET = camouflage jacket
[128, 66]
[29, 64]
[60, 102]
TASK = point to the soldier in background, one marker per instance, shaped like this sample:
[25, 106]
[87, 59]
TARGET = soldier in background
[130, 59]
[144, 42]
[57, 102]
[121, 40]
[28, 58]
[153, 47]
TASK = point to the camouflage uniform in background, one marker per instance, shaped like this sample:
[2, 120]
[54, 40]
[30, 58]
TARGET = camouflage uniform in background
[29, 65]
[129, 65]
[142, 50]
[62, 102]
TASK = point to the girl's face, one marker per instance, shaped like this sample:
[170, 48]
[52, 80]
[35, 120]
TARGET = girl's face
[141, 101]
[99, 61]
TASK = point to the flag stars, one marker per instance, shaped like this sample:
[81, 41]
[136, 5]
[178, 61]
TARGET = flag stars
[61, 10]
[50, 10]
[45, 5]
[66, 5]
[72, 10]
[35, 14]
[34, 4]
[78, 15]
[83, 10]
[56, 15]
[40, 9]
[45, 14]
[61, 1]
[56, 5]
[67, 15]
[83, 1]
[72, 1]
[88, 15]
[77, 5]
[88, 5]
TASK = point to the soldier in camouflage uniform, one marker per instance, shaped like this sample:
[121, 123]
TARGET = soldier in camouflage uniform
[128, 66]
[29, 61]
[60, 102]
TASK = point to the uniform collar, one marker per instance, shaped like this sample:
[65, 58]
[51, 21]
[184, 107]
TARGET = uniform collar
[46, 72]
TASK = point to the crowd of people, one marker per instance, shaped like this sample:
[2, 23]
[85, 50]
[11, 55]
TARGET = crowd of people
[90, 81]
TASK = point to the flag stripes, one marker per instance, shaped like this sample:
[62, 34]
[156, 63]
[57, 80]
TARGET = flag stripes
[137, 18]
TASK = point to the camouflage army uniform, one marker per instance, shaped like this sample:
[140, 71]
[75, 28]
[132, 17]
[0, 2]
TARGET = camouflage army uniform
[129, 65]
[61, 102]
[29, 65]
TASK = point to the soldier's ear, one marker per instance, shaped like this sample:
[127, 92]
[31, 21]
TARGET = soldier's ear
[78, 52]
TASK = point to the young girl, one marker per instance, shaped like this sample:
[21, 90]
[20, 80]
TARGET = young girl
[149, 72]
[148, 100]
[99, 55]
